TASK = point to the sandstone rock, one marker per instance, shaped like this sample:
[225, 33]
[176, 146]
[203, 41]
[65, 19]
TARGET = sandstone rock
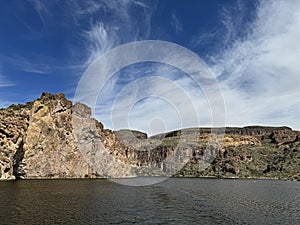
[52, 138]
[82, 110]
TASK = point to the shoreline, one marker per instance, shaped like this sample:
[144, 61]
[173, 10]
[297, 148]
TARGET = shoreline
[149, 177]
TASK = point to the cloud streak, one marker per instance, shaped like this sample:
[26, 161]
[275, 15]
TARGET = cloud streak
[256, 66]
[3, 80]
[175, 22]
[152, 90]
[127, 21]
[259, 71]
[33, 64]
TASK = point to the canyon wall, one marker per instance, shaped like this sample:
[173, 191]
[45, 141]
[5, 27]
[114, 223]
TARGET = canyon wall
[52, 138]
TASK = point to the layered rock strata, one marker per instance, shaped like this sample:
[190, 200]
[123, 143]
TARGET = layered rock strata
[52, 138]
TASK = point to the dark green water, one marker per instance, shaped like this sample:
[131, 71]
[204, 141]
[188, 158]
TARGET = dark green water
[175, 201]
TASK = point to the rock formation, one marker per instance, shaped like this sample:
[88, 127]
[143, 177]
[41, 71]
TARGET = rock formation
[52, 138]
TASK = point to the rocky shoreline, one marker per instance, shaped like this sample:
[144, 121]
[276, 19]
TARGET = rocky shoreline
[50, 138]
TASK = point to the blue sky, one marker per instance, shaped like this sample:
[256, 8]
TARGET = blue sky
[251, 46]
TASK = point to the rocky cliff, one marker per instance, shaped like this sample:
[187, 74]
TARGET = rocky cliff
[52, 138]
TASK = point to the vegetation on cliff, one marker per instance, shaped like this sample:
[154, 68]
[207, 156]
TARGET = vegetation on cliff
[40, 140]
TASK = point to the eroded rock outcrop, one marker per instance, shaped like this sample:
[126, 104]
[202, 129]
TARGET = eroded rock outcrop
[40, 142]
[14, 122]
[52, 138]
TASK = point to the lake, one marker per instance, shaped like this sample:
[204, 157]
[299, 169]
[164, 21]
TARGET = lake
[174, 201]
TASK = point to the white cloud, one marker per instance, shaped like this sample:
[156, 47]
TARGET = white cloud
[259, 73]
[119, 25]
[153, 91]
[257, 70]
[101, 39]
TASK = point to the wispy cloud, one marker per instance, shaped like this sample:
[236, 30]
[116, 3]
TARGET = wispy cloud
[124, 21]
[42, 10]
[97, 25]
[3, 80]
[101, 39]
[33, 65]
[143, 93]
[40, 7]
[256, 63]
[233, 19]
[259, 70]
[4, 83]
[175, 22]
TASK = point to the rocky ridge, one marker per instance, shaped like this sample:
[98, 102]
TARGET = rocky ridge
[52, 138]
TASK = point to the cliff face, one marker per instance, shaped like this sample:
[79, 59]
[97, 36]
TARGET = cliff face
[51, 138]
[254, 152]
[37, 141]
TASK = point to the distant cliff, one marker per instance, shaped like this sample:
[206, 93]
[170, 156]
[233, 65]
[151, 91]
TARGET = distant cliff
[52, 138]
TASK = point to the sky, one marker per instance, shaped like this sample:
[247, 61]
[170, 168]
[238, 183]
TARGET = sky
[251, 47]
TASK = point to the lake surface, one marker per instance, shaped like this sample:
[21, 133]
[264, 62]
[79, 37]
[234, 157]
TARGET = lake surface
[175, 201]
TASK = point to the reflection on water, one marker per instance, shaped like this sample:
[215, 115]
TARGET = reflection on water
[175, 201]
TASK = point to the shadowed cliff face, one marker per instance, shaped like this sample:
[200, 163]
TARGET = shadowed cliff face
[51, 138]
